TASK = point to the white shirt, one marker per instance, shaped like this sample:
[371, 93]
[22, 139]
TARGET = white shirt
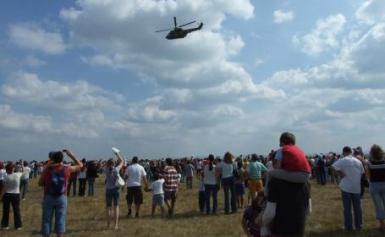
[12, 183]
[135, 174]
[26, 171]
[353, 170]
[209, 175]
[157, 187]
[82, 174]
[2, 174]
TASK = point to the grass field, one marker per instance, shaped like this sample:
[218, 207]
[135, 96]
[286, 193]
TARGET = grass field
[86, 216]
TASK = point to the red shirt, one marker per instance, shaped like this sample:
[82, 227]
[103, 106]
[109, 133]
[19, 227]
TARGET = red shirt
[294, 159]
[47, 177]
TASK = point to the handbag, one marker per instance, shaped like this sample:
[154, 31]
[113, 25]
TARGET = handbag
[119, 181]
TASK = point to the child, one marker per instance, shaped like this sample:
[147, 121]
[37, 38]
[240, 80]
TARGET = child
[157, 194]
[202, 197]
[251, 221]
[291, 163]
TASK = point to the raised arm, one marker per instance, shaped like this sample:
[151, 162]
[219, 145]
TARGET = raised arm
[78, 165]
[120, 159]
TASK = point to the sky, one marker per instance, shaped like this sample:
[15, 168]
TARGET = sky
[91, 74]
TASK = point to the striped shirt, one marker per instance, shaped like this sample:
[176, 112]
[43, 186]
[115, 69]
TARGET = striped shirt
[171, 179]
[377, 171]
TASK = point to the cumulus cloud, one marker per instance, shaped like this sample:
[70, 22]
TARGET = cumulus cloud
[281, 16]
[323, 37]
[79, 96]
[9, 119]
[33, 37]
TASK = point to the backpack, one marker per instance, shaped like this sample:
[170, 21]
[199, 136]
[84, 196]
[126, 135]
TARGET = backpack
[57, 182]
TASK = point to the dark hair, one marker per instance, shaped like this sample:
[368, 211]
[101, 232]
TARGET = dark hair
[239, 164]
[254, 157]
[25, 163]
[376, 152]
[211, 160]
[156, 176]
[346, 150]
[287, 139]
[168, 161]
[134, 159]
[56, 156]
[9, 168]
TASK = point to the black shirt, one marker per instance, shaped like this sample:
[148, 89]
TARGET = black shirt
[292, 201]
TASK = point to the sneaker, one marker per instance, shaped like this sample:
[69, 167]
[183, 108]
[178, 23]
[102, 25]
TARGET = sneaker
[19, 228]
[5, 228]
[129, 213]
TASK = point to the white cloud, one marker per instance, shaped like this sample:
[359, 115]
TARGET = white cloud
[33, 37]
[323, 37]
[78, 96]
[12, 120]
[33, 61]
[371, 11]
[281, 16]
[258, 62]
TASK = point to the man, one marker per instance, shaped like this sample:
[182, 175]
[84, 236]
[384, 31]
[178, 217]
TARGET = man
[170, 185]
[287, 202]
[254, 173]
[189, 171]
[350, 170]
[136, 175]
[24, 180]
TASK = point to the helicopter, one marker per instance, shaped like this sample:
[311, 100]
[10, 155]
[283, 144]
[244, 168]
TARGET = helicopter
[178, 32]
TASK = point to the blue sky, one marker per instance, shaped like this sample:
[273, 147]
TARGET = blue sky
[89, 75]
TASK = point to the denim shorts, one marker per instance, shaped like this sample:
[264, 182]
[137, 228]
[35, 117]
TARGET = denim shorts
[112, 197]
[158, 200]
[54, 205]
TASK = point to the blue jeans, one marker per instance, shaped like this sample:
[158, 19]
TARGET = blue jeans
[229, 189]
[91, 184]
[51, 205]
[377, 191]
[349, 200]
[211, 190]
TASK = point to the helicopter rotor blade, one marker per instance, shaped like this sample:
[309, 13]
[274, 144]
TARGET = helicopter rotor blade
[187, 24]
[174, 21]
[163, 30]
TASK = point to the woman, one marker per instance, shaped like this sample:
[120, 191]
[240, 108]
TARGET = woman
[227, 176]
[112, 190]
[210, 183]
[11, 196]
[376, 175]
[54, 179]
[240, 184]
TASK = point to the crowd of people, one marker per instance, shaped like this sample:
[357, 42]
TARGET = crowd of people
[274, 189]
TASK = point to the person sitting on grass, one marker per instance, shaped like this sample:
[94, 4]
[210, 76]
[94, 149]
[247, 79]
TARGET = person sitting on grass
[251, 221]
[157, 194]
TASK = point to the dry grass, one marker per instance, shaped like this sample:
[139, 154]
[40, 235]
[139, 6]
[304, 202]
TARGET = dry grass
[86, 217]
